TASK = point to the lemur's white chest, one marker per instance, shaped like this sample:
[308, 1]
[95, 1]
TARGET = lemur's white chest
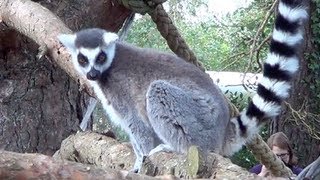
[110, 111]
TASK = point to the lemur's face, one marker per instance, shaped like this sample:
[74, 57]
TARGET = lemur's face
[92, 51]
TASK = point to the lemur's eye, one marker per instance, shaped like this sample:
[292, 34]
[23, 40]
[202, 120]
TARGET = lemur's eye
[83, 60]
[101, 58]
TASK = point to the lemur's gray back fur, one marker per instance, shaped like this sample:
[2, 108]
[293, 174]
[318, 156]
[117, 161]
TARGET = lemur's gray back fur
[145, 67]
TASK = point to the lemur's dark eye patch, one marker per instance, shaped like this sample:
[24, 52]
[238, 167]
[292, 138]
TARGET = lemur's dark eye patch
[83, 60]
[101, 58]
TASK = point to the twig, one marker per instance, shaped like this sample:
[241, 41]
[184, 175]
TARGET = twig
[237, 56]
[261, 28]
[300, 118]
[259, 49]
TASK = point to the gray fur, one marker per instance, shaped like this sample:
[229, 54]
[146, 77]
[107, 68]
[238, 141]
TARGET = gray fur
[171, 97]
[90, 38]
[189, 115]
[161, 100]
[161, 96]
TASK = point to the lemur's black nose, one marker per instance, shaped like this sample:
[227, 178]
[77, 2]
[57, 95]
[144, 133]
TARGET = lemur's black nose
[93, 74]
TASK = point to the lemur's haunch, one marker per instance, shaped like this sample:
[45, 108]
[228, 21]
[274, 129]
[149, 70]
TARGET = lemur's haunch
[165, 103]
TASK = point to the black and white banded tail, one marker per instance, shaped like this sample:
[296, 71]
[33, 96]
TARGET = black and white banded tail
[280, 66]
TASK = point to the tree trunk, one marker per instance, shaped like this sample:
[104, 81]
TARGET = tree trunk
[40, 105]
[305, 145]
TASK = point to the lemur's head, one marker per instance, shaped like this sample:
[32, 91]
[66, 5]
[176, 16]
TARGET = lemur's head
[92, 50]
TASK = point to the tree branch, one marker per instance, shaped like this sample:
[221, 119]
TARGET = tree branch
[106, 152]
[37, 166]
[260, 29]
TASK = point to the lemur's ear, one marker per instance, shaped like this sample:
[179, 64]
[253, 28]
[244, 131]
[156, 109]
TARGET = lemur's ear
[68, 41]
[109, 37]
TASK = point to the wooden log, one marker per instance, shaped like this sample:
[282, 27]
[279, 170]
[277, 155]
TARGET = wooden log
[106, 152]
[17, 166]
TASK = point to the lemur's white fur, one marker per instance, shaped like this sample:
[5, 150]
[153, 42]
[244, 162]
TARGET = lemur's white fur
[290, 39]
[289, 64]
[68, 41]
[280, 88]
[292, 14]
[272, 109]
[112, 113]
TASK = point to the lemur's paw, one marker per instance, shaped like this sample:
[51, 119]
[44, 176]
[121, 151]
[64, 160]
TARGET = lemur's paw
[138, 164]
[161, 148]
[134, 170]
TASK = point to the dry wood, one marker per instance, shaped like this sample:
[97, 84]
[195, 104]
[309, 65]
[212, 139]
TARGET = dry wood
[106, 152]
[103, 157]
[36, 166]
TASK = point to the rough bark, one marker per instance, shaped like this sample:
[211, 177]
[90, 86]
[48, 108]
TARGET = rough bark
[106, 152]
[306, 147]
[31, 120]
[36, 166]
[40, 105]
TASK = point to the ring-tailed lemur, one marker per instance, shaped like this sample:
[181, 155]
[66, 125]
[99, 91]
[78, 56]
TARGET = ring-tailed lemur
[165, 103]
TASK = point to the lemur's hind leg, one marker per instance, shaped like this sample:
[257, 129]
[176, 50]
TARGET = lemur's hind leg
[143, 139]
[181, 117]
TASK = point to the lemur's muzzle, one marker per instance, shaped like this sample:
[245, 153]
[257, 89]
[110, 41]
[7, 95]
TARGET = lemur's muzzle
[93, 74]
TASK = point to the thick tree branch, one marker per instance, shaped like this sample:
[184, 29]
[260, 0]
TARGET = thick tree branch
[106, 152]
[36, 166]
[103, 157]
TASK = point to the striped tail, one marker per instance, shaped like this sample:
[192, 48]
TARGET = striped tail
[281, 65]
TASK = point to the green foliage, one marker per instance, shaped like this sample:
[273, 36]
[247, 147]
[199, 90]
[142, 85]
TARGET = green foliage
[221, 44]
[238, 99]
[199, 37]
[313, 79]
[240, 32]
[144, 33]
[244, 158]
[210, 48]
